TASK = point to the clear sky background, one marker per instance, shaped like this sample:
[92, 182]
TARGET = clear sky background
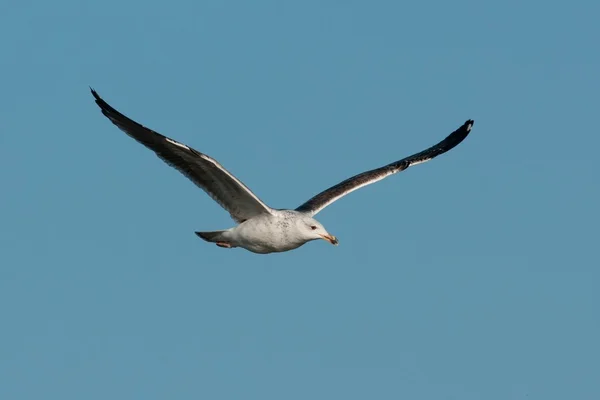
[474, 276]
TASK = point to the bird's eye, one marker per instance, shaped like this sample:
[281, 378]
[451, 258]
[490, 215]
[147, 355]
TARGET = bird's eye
[313, 227]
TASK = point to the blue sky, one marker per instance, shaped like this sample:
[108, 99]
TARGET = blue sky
[474, 276]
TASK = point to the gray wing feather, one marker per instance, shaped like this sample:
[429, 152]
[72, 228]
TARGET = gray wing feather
[323, 199]
[204, 171]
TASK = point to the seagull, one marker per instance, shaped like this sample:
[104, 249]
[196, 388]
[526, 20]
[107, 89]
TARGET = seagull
[260, 228]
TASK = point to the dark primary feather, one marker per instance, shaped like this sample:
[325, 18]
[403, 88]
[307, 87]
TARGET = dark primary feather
[201, 169]
[330, 195]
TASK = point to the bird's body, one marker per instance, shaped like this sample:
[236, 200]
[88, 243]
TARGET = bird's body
[262, 229]
[269, 233]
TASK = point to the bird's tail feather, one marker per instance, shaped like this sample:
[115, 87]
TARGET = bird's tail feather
[213, 237]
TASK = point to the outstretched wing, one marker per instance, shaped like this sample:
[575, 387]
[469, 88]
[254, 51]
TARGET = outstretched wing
[330, 195]
[201, 169]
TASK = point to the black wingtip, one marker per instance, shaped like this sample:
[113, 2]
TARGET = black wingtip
[469, 124]
[94, 93]
[104, 106]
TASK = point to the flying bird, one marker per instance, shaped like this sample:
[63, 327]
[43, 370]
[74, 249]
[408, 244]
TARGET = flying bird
[260, 228]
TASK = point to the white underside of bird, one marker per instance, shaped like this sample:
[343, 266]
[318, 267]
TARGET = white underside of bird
[283, 230]
[262, 229]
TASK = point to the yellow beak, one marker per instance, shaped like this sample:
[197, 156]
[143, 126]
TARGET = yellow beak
[331, 239]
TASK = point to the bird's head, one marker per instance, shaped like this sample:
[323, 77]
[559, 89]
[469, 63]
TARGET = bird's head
[312, 230]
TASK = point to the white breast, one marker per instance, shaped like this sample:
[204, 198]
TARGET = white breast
[268, 234]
